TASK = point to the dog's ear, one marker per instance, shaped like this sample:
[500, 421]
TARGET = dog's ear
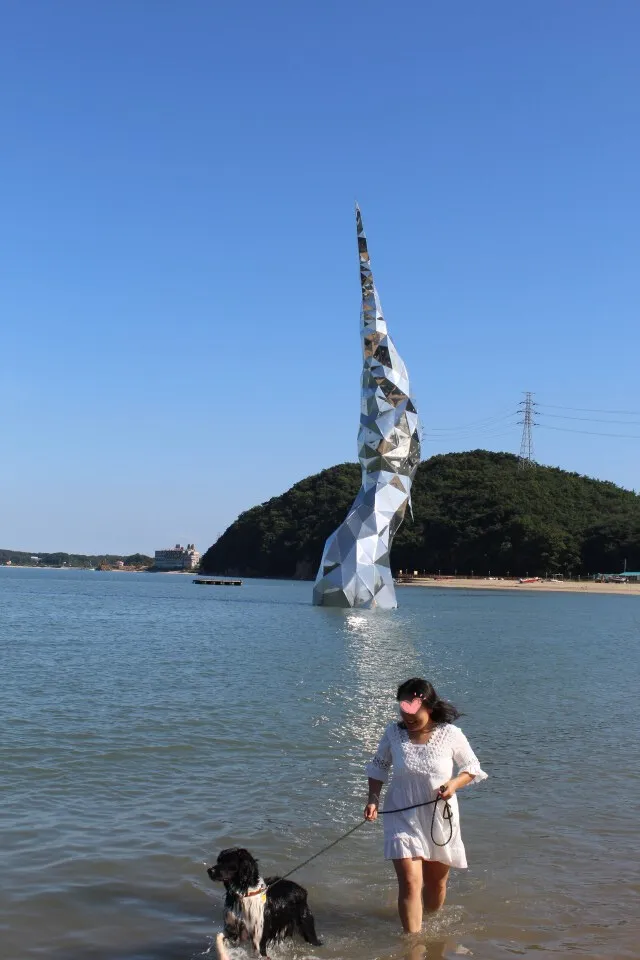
[248, 873]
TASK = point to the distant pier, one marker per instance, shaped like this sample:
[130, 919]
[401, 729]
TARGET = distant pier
[218, 583]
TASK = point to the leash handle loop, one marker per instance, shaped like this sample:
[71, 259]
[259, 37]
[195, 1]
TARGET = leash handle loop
[447, 815]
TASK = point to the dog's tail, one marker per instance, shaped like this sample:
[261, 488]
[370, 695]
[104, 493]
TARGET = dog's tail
[307, 927]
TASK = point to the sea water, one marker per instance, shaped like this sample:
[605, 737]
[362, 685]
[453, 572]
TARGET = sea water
[147, 722]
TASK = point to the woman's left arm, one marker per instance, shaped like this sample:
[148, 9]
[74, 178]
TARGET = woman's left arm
[468, 765]
[448, 789]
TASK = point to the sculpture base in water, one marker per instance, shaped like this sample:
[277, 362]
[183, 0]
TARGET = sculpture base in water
[355, 571]
[356, 594]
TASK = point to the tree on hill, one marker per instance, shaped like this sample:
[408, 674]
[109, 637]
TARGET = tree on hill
[472, 512]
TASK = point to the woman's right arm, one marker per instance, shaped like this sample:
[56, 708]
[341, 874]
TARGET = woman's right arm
[378, 772]
[373, 801]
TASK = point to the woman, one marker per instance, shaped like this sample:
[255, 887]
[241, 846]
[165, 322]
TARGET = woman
[424, 748]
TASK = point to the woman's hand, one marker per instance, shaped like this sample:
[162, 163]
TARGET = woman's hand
[371, 811]
[447, 790]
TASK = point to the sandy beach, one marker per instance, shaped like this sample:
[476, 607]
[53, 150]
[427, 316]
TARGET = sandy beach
[554, 586]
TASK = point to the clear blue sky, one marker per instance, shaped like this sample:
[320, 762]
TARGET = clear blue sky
[179, 294]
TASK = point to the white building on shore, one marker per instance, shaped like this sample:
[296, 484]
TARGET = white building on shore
[177, 558]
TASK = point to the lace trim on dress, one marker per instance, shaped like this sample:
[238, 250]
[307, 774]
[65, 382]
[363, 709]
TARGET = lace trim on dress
[434, 740]
[474, 769]
[379, 762]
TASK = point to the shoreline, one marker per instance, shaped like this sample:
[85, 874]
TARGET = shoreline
[31, 566]
[445, 583]
[546, 586]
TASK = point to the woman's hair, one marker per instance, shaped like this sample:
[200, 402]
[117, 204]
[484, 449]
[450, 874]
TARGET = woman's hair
[441, 710]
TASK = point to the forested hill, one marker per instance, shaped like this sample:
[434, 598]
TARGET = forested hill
[472, 512]
[22, 558]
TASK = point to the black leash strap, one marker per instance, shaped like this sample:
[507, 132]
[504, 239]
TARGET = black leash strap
[447, 815]
[319, 853]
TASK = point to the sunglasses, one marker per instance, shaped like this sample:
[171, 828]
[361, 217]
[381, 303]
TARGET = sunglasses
[411, 706]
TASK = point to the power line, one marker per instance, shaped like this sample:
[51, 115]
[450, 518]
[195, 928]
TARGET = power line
[555, 406]
[526, 461]
[489, 428]
[497, 425]
[486, 436]
[487, 421]
[560, 416]
[591, 433]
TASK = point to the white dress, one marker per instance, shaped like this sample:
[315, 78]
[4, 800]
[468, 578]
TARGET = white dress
[418, 771]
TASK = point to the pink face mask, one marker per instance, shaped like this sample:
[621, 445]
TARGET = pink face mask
[411, 706]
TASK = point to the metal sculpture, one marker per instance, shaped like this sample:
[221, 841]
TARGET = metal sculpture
[355, 570]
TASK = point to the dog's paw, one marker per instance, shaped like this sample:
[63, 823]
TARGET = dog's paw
[221, 949]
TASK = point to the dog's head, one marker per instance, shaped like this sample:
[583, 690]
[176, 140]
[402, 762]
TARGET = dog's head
[235, 867]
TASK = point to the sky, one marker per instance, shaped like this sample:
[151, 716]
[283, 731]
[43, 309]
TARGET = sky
[179, 293]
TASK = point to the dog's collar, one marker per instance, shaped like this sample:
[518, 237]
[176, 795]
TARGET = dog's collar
[254, 893]
[251, 893]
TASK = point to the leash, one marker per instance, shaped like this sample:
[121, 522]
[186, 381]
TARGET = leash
[447, 814]
[319, 853]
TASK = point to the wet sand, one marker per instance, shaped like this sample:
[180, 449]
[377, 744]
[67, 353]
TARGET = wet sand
[554, 586]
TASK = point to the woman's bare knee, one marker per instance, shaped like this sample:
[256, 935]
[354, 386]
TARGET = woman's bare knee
[410, 886]
[435, 877]
[410, 879]
[434, 897]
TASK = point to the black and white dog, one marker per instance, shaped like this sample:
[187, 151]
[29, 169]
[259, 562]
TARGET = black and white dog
[256, 909]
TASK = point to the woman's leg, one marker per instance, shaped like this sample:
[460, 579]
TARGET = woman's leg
[434, 876]
[409, 874]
